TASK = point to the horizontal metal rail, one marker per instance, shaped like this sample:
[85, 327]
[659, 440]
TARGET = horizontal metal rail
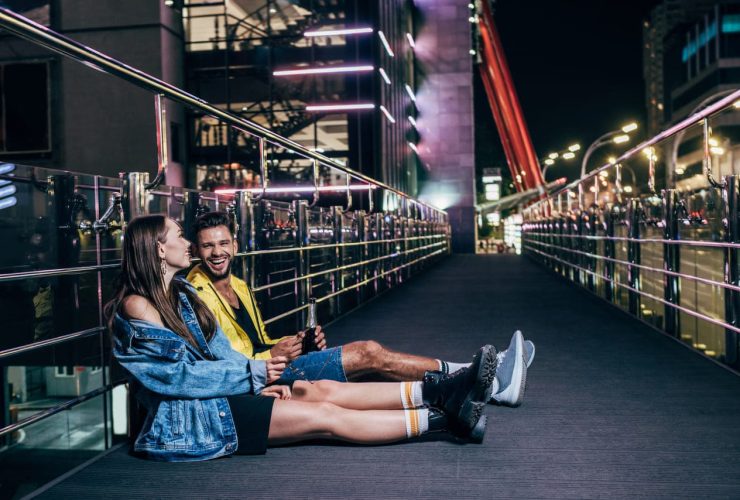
[690, 277]
[690, 312]
[690, 243]
[344, 267]
[333, 245]
[41, 344]
[41, 35]
[59, 408]
[678, 127]
[351, 287]
[52, 273]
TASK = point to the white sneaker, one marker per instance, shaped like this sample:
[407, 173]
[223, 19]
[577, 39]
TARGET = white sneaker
[511, 374]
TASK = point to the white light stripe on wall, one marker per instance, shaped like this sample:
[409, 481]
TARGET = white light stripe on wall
[347, 31]
[387, 114]
[340, 107]
[318, 71]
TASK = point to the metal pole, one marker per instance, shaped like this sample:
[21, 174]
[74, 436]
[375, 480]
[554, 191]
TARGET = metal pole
[634, 213]
[671, 261]
[732, 268]
[302, 260]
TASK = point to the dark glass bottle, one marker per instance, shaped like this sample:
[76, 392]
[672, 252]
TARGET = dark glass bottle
[309, 340]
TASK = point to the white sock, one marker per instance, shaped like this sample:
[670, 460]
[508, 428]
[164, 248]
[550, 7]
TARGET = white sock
[453, 367]
[411, 395]
[417, 422]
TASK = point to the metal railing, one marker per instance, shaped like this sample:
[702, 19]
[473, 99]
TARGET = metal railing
[667, 256]
[68, 227]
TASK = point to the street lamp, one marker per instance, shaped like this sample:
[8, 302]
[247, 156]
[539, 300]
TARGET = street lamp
[618, 136]
[568, 154]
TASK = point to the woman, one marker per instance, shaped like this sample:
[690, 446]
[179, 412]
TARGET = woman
[205, 400]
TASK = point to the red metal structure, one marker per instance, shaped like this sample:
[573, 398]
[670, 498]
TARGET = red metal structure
[507, 113]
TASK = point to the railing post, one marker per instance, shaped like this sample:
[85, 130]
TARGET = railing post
[609, 253]
[338, 259]
[633, 254]
[134, 194]
[362, 254]
[302, 265]
[589, 245]
[671, 261]
[732, 268]
[244, 221]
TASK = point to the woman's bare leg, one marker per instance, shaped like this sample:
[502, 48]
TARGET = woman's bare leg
[355, 396]
[297, 421]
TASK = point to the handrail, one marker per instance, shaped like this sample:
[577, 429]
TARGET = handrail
[669, 132]
[46, 37]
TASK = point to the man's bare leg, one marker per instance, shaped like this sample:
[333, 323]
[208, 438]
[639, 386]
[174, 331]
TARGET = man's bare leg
[369, 357]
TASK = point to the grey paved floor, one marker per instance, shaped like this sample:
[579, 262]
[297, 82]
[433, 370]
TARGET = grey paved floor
[613, 409]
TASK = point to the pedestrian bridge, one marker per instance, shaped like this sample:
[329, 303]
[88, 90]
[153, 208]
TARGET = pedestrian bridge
[613, 407]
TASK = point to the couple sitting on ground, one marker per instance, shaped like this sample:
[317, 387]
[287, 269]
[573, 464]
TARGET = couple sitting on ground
[214, 383]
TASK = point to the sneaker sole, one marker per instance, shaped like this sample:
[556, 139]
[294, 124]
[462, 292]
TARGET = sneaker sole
[473, 421]
[485, 375]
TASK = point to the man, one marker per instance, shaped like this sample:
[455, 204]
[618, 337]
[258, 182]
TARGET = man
[236, 310]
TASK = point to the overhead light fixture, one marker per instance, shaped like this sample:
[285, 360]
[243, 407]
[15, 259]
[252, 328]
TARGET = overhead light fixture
[574, 147]
[629, 127]
[410, 38]
[323, 70]
[414, 148]
[384, 75]
[385, 43]
[620, 139]
[339, 32]
[340, 107]
[410, 92]
[553, 156]
[549, 161]
[412, 121]
[569, 155]
[387, 114]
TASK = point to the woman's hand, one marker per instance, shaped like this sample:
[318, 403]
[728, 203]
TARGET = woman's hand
[277, 391]
[275, 367]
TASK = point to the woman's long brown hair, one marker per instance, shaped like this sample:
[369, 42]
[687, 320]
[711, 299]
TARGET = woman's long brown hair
[141, 275]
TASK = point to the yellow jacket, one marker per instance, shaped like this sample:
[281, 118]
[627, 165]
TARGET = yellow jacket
[225, 314]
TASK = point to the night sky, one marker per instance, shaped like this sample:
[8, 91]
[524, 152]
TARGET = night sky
[577, 68]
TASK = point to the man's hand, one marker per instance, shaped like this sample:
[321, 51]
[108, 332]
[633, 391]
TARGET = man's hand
[275, 367]
[277, 391]
[290, 347]
[320, 338]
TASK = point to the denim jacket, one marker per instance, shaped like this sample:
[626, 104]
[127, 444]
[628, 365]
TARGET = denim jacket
[188, 416]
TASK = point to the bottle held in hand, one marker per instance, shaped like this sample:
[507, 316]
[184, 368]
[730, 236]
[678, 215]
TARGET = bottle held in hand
[309, 339]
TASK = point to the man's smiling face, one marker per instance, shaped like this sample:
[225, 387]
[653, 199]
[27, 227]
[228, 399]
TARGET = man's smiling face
[216, 248]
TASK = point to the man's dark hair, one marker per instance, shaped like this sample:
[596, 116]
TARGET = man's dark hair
[212, 219]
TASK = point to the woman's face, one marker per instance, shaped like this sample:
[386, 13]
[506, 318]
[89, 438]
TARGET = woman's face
[176, 249]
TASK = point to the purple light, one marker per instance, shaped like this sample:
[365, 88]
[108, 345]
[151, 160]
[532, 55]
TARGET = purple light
[340, 107]
[298, 189]
[385, 44]
[347, 31]
[318, 71]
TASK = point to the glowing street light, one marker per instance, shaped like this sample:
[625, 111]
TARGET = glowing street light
[618, 136]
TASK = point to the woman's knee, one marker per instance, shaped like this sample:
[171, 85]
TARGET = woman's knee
[321, 390]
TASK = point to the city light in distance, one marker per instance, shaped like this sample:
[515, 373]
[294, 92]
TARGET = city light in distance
[339, 32]
[569, 155]
[573, 148]
[549, 161]
[385, 43]
[340, 107]
[553, 156]
[612, 160]
[472, 52]
[384, 75]
[627, 189]
[322, 70]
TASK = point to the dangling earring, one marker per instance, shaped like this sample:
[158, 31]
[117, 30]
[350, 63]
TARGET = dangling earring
[163, 266]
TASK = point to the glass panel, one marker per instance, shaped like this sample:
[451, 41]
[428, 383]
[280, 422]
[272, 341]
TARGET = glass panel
[703, 223]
